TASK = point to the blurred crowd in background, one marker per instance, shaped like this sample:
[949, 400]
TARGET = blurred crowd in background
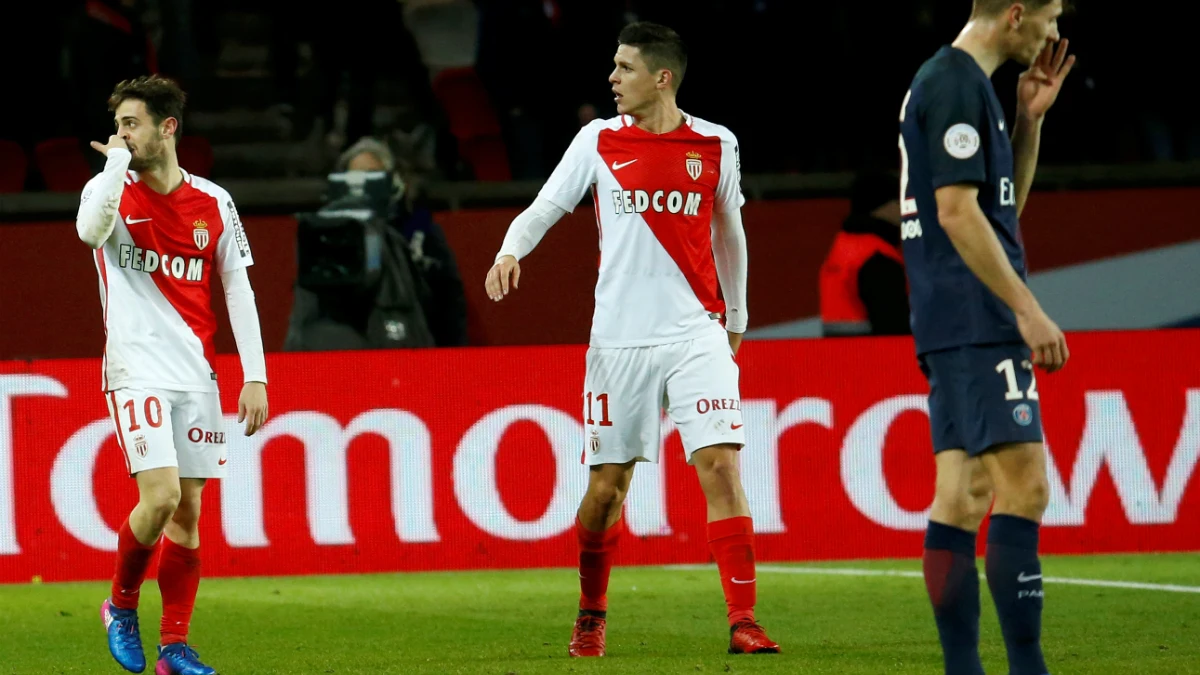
[807, 86]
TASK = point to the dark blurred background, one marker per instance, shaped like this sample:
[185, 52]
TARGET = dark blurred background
[494, 90]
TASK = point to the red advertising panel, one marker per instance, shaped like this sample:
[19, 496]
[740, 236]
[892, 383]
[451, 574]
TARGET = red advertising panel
[460, 459]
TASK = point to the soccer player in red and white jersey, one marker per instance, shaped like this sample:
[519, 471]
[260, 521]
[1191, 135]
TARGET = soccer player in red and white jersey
[159, 234]
[667, 194]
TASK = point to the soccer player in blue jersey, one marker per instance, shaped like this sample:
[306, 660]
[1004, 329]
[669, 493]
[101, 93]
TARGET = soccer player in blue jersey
[965, 177]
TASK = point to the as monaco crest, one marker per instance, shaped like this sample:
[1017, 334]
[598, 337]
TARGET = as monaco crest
[200, 234]
[694, 165]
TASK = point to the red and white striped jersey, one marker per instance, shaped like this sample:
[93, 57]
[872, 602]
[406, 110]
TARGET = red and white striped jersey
[655, 195]
[156, 272]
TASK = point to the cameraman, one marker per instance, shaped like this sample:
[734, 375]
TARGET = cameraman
[416, 254]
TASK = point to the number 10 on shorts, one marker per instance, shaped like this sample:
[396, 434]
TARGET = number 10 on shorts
[602, 403]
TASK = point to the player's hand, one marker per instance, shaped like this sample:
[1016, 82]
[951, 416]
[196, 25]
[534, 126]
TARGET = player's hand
[1038, 87]
[1044, 338]
[498, 278]
[735, 341]
[114, 141]
[252, 406]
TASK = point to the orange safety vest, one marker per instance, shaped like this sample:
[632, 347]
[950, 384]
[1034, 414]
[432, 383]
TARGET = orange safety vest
[842, 310]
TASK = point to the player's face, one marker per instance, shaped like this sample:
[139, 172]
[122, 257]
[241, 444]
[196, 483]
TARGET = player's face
[634, 86]
[146, 140]
[1035, 29]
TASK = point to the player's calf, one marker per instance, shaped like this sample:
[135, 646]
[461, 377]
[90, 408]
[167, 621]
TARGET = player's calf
[962, 496]
[1014, 572]
[598, 528]
[721, 481]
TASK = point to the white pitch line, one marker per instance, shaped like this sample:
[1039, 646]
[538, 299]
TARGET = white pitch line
[855, 572]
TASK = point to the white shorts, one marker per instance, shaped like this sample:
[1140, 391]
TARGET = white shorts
[627, 389]
[158, 428]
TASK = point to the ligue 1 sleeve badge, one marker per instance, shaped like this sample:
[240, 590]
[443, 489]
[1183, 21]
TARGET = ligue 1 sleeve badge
[200, 234]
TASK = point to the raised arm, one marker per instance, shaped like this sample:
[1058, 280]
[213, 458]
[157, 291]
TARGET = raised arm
[1037, 90]
[101, 197]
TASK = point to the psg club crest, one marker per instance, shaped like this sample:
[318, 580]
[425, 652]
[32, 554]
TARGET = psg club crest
[139, 444]
[694, 165]
[200, 234]
[1023, 414]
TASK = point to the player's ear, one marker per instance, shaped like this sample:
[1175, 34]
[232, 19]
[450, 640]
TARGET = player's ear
[1016, 14]
[664, 78]
[169, 127]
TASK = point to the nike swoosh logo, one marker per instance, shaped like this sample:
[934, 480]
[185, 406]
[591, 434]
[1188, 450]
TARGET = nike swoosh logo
[222, 462]
[130, 220]
[617, 167]
[1021, 578]
[739, 581]
[735, 427]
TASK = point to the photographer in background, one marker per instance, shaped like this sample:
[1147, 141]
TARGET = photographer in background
[374, 271]
[863, 287]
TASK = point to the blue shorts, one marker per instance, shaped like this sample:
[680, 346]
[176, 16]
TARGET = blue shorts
[981, 396]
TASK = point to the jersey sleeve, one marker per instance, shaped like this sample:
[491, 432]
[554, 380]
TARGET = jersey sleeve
[576, 171]
[233, 249]
[729, 195]
[954, 114]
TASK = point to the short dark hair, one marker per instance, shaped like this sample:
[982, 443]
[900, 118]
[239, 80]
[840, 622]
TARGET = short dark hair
[994, 7]
[660, 46]
[162, 95]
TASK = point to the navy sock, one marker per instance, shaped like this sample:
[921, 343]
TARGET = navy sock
[953, 584]
[1014, 576]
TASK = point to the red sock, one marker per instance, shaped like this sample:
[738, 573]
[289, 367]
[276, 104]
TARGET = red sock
[595, 563]
[178, 579]
[133, 558]
[732, 544]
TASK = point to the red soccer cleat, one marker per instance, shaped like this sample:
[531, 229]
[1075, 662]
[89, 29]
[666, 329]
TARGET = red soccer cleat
[747, 637]
[588, 637]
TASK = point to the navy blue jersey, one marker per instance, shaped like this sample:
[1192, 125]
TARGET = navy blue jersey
[952, 131]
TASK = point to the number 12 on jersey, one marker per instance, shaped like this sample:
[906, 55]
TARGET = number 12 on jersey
[602, 401]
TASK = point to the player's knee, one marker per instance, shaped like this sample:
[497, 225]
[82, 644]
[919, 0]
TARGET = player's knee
[608, 495]
[1028, 497]
[977, 503]
[978, 498]
[162, 503]
[723, 471]
[187, 514]
[962, 508]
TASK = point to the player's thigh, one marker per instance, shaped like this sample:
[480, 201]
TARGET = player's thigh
[703, 396]
[200, 435]
[941, 371]
[1018, 471]
[994, 394]
[145, 432]
[622, 406]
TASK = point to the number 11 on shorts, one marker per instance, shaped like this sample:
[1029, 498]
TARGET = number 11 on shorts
[602, 400]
